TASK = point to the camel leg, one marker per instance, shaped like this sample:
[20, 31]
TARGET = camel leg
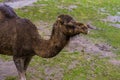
[19, 62]
[26, 62]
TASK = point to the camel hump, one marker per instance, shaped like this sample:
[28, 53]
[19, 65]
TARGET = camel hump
[7, 11]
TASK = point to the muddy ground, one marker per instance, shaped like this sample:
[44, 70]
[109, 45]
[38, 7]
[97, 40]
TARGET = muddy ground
[79, 43]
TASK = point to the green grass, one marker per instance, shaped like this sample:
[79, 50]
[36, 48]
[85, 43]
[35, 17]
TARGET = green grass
[11, 78]
[89, 67]
[5, 58]
[1, 0]
[108, 33]
[50, 13]
[93, 69]
[87, 10]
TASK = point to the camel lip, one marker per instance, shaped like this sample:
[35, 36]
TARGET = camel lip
[85, 33]
[88, 32]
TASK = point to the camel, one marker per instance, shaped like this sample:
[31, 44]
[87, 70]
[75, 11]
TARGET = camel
[20, 39]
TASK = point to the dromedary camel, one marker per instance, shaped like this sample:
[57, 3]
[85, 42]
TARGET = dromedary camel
[20, 38]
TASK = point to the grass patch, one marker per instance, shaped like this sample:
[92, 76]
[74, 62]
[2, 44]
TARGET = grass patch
[45, 11]
[108, 33]
[93, 69]
[5, 58]
[11, 78]
[86, 10]
[88, 66]
[1, 0]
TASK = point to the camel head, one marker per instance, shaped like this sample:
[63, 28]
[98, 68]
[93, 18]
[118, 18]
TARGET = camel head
[70, 27]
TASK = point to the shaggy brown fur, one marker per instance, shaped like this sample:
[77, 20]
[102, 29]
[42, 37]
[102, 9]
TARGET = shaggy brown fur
[20, 38]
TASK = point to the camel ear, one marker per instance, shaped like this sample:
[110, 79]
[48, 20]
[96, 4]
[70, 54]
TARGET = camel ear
[59, 19]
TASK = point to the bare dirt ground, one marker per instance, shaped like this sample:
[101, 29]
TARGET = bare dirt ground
[79, 43]
[19, 3]
[113, 20]
[7, 68]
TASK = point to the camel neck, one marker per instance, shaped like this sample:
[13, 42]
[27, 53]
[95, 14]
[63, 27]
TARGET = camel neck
[50, 48]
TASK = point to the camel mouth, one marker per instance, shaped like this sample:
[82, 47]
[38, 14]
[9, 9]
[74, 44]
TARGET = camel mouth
[87, 32]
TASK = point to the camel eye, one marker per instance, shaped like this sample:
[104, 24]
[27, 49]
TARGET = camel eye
[84, 28]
